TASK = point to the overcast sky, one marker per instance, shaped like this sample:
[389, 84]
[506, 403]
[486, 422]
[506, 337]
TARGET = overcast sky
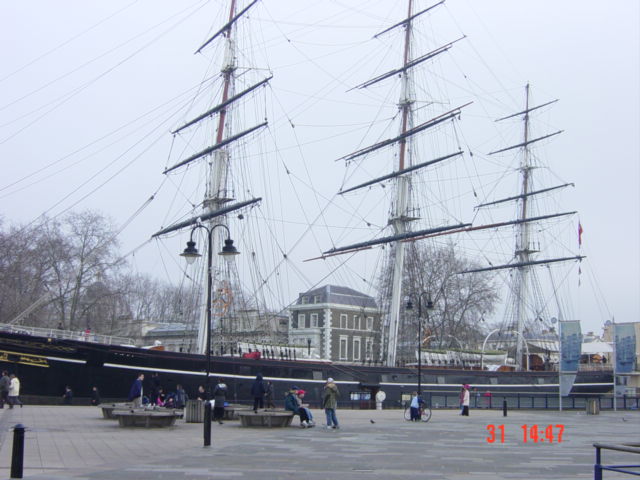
[75, 71]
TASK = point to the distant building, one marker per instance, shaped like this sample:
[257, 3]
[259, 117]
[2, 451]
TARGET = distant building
[174, 337]
[339, 323]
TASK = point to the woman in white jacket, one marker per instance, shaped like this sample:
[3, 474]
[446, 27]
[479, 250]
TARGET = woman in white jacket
[14, 391]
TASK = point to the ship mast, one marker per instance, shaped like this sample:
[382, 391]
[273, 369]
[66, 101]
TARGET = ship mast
[399, 218]
[523, 252]
[216, 192]
[523, 261]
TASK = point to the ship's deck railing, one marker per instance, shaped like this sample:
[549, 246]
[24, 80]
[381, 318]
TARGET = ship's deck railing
[66, 334]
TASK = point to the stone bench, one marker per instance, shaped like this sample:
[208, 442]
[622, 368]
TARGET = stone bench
[231, 411]
[108, 408]
[269, 419]
[146, 418]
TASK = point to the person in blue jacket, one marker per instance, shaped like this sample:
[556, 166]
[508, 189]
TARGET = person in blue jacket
[135, 392]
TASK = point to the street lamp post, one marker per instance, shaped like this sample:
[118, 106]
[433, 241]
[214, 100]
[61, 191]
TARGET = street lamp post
[190, 254]
[429, 306]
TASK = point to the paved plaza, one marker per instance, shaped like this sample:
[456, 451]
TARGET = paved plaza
[75, 442]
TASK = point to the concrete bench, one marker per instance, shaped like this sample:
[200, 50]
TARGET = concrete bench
[231, 411]
[269, 419]
[108, 408]
[146, 418]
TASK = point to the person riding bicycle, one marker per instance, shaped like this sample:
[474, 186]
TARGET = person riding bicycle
[416, 407]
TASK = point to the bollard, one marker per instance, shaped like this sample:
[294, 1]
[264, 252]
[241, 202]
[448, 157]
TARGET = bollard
[207, 423]
[504, 407]
[17, 456]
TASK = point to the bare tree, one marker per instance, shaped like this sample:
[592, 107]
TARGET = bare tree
[459, 301]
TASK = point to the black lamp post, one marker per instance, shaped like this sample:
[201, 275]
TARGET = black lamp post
[190, 254]
[429, 306]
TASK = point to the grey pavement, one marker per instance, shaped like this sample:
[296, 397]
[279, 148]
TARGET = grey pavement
[75, 442]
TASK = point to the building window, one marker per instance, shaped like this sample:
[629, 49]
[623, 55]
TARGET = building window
[305, 300]
[343, 320]
[301, 320]
[370, 323]
[368, 349]
[356, 348]
[294, 321]
[314, 320]
[350, 323]
[316, 299]
[343, 347]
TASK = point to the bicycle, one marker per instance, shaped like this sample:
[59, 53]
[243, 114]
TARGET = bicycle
[425, 413]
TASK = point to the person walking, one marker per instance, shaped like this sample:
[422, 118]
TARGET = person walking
[14, 391]
[258, 391]
[219, 397]
[5, 381]
[135, 392]
[330, 396]
[464, 394]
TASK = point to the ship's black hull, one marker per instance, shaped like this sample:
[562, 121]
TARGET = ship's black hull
[46, 365]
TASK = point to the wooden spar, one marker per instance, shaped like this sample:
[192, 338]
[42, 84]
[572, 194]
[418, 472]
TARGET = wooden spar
[407, 133]
[394, 238]
[421, 235]
[215, 147]
[523, 264]
[527, 142]
[408, 65]
[228, 25]
[221, 106]
[527, 111]
[206, 216]
[409, 19]
[401, 172]
[518, 197]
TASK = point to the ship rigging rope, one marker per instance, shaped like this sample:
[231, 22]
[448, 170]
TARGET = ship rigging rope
[161, 115]
[60, 100]
[69, 40]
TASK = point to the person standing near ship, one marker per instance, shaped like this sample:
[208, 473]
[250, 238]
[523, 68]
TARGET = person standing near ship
[464, 397]
[258, 391]
[67, 396]
[330, 396]
[219, 397]
[135, 393]
[268, 396]
[14, 391]
[95, 396]
[5, 381]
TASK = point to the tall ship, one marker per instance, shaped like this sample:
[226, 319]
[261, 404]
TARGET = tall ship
[406, 221]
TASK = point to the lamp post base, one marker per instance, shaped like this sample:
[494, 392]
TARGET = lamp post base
[207, 423]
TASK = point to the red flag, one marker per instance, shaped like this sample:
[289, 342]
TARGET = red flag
[580, 230]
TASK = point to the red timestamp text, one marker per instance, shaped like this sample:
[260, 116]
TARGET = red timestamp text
[530, 433]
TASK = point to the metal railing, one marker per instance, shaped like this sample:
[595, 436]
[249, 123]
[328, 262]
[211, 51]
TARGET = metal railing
[524, 401]
[598, 468]
[66, 334]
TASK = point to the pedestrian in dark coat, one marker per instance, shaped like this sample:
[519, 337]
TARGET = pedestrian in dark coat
[269, 395]
[258, 391]
[135, 393]
[219, 397]
[67, 397]
[181, 396]
[5, 381]
[95, 396]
